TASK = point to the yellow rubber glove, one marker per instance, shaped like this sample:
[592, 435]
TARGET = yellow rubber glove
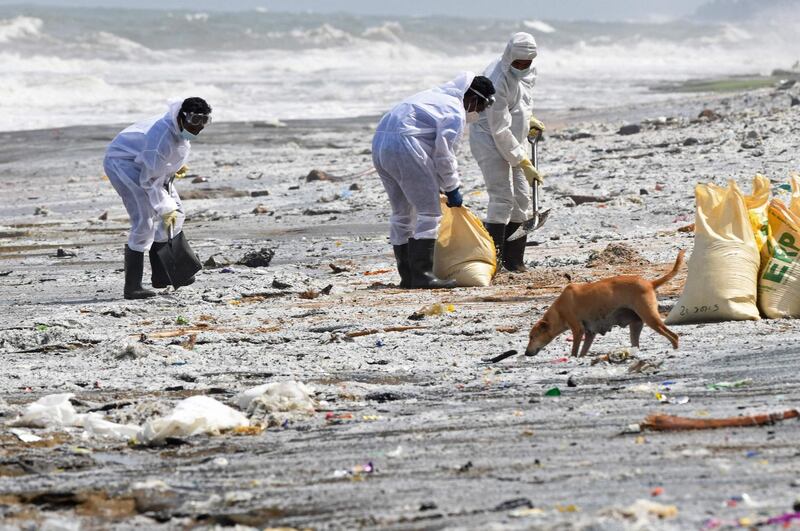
[181, 173]
[531, 173]
[170, 219]
[536, 126]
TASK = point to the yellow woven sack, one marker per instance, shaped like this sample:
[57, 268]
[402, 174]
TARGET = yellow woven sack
[757, 204]
[723, 270]
[779, 282]
[464, 251]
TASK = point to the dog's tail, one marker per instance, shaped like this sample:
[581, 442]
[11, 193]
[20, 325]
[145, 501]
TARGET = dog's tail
[666, 278]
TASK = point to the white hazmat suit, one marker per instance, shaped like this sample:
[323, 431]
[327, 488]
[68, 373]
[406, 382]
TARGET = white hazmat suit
[414, 153]
[140, 162]
[498, 138]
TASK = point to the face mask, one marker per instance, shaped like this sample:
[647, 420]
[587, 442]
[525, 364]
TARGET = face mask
[187, 135]
[472, 117]
[520, 73]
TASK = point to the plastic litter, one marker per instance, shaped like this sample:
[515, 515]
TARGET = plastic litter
[24, 435]
[555, 391]
[95, 425]
[51, 411]
[192, 416]
[278, 397]
[730, 385]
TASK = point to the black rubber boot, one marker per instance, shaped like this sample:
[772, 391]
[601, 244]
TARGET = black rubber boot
[134, 264]
[514, 251]
[498, 233]
[420, 258]
[159, 278]
[403, 266]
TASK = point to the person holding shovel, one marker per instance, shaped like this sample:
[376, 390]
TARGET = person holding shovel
[141, 162]
[414, 152]
[499, 145]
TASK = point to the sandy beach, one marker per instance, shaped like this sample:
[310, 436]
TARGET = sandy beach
[414, 430]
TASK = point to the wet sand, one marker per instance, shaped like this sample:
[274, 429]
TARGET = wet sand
[454, 442]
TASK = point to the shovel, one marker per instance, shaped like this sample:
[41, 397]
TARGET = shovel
[539, 216]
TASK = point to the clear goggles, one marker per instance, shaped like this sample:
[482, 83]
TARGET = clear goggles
[196, 118]
[489, 101]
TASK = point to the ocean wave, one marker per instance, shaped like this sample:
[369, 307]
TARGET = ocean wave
[20, 27]
[540, 26]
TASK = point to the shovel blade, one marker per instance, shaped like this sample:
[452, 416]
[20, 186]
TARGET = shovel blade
[534, 223]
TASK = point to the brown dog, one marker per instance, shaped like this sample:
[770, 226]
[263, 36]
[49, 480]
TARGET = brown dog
[596, 307]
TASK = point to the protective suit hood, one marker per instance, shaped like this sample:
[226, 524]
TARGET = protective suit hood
[458, 86]
[174, 110]
[521, 46]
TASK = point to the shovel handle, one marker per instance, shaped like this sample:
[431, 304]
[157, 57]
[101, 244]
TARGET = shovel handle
[534, 141]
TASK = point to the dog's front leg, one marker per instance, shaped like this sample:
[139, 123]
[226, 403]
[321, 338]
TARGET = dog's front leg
[577, 337]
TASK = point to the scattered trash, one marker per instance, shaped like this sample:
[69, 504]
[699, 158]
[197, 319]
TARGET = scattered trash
[616, 357]
[431, 310]
[313, 294]
[397, 452]
[191, 416]
[50, 411]
[571, 381]
[278, 397]
[670, 423]
[642, 510]
[319, 175]
[500, 357]
[571, 508]
[658, 491]
[356, 473]
[260, 258]
[181, 320]
[338, 418]
[555, 391]
[24, 435]
[41, 211]
[526, 512]
[631, 129]
[730, 385]
[103, 216]
[338, 269]
[643, 366]
[216, 261]
[516, 503]
[63, 253]
[377, 272]
[260, 210]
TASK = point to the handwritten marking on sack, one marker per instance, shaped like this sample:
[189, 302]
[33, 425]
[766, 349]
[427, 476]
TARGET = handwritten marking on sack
[786, 251]
[698, 309]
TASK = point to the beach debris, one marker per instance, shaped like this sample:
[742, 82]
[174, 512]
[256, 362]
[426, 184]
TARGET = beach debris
[41, 211]
[131, 351]
[729, 385]
[687, 228]
[616, 254]
[260, 258]
[691, 141]
[615, 357]
[259, 193]
[630, 129]
[263, 401]
[572, 381]
[432, 310]
[216, 261]
[384, 396]
[752, 140]
[516, 503]
[355, 187]
[279, 284]
[357, 472]
[338, 418]
[24, 435]
[709, 115]
[673, 423]
[577, 200]
[319, 175]
[311, 293]
[504, 355]
[369, 332]
[103, 216]
[199, 179]
[192, 416]
[260, 209]
[555, 391]
[6, 273]
[580, 135]
[63, 253]
[213, 193]
[644, 366]
[50, 411]
[794, 101]
[181, 320]
[643, 510]
[338, 269]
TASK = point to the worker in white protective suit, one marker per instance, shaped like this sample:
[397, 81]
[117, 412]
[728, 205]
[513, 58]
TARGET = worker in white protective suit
[499, 145]
[414, 152]
[141, 163]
